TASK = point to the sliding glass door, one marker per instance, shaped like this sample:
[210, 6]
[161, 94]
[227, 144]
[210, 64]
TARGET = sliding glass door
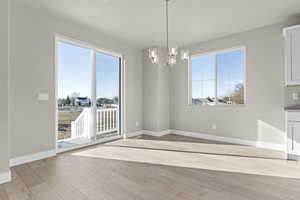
[74, 94]
[108, 92]
[88, 95]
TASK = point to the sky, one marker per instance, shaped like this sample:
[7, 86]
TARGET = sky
[230, 70]
[75, 72]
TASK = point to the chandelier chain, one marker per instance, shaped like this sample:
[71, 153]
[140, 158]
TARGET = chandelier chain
[167, 22]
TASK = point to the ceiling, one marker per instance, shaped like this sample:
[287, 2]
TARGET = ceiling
[142, 22]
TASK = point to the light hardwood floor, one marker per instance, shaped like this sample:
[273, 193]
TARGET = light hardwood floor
[149, 168]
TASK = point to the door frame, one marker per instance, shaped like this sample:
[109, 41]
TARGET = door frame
[95, 49]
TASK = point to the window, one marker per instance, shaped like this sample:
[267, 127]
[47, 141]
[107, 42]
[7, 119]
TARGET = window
[218, 78]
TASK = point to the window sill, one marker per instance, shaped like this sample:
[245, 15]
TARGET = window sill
[217, 106]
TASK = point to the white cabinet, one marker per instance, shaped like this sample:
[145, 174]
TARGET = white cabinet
[292, 55]
[294, 138]
[293, 134]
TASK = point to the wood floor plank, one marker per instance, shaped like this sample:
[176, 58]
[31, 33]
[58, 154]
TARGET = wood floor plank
[63, 187]
[202, 146]
[165, 168]
[16, 189]
[28, 176]
[43, 192]
[3, 194]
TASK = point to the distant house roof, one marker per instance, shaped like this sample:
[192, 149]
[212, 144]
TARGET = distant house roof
[82, 98]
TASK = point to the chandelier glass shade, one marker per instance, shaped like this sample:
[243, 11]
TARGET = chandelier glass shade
[172, 52]
[153, 55]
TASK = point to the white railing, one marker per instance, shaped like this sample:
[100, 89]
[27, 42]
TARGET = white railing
[81, 126]
[107, 120]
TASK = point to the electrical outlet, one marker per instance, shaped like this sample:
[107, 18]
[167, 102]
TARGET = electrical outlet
[295, 96]
[213, 126]
[137, 124]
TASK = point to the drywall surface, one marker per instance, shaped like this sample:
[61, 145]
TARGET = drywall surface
[263, 116]
[156, 93]
[33, 71]
[4, 67]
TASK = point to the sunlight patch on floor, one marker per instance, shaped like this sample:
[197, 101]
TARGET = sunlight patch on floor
[208, 148]
[238, 164]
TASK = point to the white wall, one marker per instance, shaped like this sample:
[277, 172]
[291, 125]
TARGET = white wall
[156, 93]
[150, 91]
[32, 123]
[4, 63]
[263, 117]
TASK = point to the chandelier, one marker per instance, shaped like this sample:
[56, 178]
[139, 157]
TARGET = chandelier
[172, 52]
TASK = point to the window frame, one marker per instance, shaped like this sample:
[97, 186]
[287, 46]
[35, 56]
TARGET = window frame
[215, 53]
[122, 82]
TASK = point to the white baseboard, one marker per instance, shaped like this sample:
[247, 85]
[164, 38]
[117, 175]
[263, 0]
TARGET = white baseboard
[42, 155]
[32, 157]
[214, 138]
[273, 146]
[156, 134]
[5, 177]
[133, 134]
[259, 144]
[146, 132]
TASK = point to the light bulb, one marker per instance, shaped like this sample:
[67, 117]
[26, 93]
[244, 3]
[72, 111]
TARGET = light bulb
[153, 55]
[185, 55]
[173, 51]
[171, 60]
